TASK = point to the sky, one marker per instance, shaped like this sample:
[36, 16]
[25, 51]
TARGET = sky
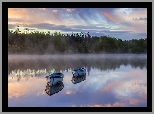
[123, 23]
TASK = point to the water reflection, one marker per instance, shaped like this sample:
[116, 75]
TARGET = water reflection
[28, 73]
[50, 90]
[62, 63]
[118, 82]
[78, 79]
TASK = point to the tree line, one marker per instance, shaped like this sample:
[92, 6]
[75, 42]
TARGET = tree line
[45, 43]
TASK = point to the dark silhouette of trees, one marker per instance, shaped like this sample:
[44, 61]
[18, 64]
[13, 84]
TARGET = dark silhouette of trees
[45, 42]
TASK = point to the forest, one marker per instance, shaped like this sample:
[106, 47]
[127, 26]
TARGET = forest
[46, 43]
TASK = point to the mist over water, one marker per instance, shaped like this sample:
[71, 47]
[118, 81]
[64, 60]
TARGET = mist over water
[63, 62]
[114, 80]
[77, 56]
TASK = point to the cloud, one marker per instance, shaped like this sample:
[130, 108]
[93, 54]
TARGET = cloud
[11, 26]
[111, 14]
[125, 21]
[50, 26]
[25, 16]
[139, 19]
[42, 8]
[15, 20]
[55, 11]
[126, 10]
[69, 10]
[78, 28]
[111, 17]
[139, 10]
[127, 35]
[98, 21]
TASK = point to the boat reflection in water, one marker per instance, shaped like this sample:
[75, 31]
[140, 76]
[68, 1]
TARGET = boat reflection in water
[78, 79]
[50, 90]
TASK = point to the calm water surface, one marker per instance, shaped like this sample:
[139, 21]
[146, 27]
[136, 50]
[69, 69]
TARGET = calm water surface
[111, 80]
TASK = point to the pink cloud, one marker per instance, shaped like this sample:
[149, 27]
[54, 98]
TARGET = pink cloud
[42, 8]
[18, 12]
[133, 25]
[54, 11]
[126, 22]
[69, 10]
[111, 17]
[32, 16]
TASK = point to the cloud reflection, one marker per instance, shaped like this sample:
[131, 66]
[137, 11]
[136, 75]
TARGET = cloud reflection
[125, 86]
[69, 92]
[24, 88]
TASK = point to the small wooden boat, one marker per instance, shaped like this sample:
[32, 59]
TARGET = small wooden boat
[79, 72]
[54, 78]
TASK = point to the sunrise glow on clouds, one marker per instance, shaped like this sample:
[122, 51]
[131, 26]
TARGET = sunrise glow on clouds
[123, 23]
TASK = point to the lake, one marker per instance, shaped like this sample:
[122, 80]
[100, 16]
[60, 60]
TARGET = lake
[111, 80]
